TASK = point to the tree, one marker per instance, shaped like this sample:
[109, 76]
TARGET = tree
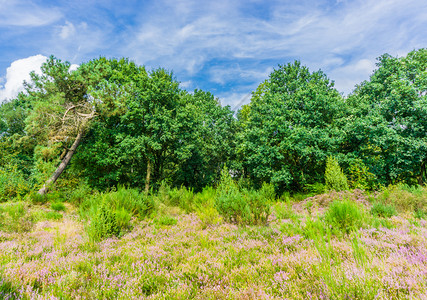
[289, 128]
[388, 130]
[61, 109]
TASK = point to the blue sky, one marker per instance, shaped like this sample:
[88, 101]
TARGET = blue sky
[226, 47]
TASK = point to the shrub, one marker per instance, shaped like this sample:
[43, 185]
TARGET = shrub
[208, 216]
[382, 210]
[260, 202]
[103, 224]
[110, 213]
[344, 216]
[359, 176]
[315, 188]
[14, 217]
[12, 183]
[136, 203]
[404, 197]
[165, 220]
[334, 177]
[58, 206]
[229, 202]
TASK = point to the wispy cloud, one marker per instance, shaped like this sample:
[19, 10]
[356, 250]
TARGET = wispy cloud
[26, 13]
[229, 48]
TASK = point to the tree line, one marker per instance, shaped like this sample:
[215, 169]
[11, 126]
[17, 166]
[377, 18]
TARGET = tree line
[112, 122]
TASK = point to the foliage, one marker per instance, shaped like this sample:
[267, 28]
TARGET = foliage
[243, 206]
[388, 116]
[14, 217]
[229, 201]
[58, 206]
[165, 220]
[404, 198]
[344, 216]
[359, 176]
[335, 178]
[381, 210]
[290, 127]
[103, 224]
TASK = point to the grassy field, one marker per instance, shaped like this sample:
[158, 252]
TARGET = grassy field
[331, 246]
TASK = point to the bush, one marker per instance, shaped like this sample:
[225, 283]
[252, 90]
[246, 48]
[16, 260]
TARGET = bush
[360, 177]
[208, 216]
[229, 202]
[57, 206]
[344, 216]
[110, 213]
[103, 224]
[334, 177]
[14, 217]
[165, 220]
[260, 202]
[381, 210]
[243, 207]
[404, 198]
[12, 183]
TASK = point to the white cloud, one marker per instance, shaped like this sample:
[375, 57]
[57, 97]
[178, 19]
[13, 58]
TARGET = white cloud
[67, 30]
[17, 73]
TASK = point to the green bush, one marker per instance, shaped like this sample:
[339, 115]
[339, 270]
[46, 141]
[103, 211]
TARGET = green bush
[57, 206]
[315, 188]
[165, 220]
[382, 210]
[12, 183]
[229, 202]
[344, 216]
[334, 177]
[103, 224]
[14, 217]
[208, 216]
[360, 177]
[404, 198]
[110, 213]
[242, 206]
[260, 202]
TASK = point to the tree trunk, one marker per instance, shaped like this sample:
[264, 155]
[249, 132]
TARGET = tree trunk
[62, 165]
[147, 179]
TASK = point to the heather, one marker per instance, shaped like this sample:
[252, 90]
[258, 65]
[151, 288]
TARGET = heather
[302, 251]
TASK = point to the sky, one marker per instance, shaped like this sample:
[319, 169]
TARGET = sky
[225, 47]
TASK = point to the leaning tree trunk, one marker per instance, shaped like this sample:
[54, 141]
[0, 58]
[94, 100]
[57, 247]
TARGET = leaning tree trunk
[148, 177]
[62, 165]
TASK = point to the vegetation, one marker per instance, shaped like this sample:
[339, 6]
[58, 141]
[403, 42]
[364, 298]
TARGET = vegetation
[115, 183]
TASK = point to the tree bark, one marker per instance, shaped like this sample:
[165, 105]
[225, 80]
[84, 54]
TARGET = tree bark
[62, 165]
[147, 179]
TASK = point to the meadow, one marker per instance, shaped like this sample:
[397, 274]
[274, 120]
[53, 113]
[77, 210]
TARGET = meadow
[335, 245]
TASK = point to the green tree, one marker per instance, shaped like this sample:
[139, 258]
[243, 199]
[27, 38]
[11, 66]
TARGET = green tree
[290, 128]
[388, 122]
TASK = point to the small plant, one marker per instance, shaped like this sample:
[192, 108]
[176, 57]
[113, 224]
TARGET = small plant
[420, 214]
[229, 202]
[53, 215]
[344, 216]
[103, 224]
[57, 206]
[315, 188]
[334, 177]
[208, 216]
[382, 210]
[165, 220]
[284, 211]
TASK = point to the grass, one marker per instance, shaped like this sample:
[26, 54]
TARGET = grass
[178, 255]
